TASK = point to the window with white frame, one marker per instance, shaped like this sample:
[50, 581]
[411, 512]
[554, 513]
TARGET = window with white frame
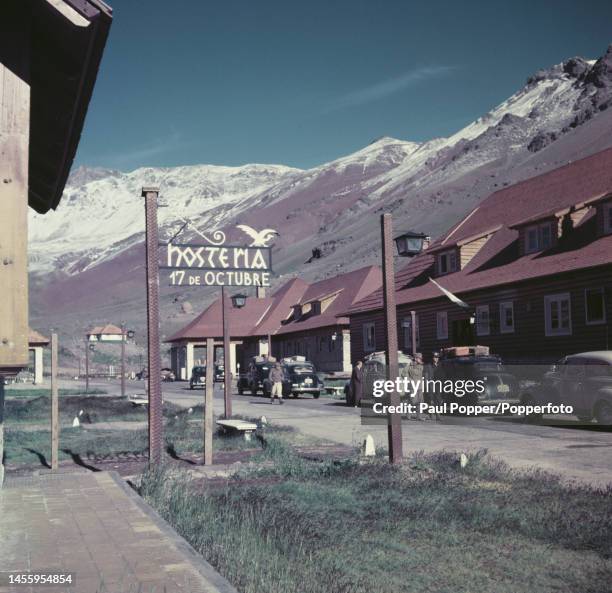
[447, 262]
[369, 337]
[483, 321]
[506, 317]
[558, 314]
[539, 237]
[607, 219]
[442, 325]
[594, 306]
[407, 327]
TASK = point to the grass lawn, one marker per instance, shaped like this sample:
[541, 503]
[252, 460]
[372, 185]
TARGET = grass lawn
[37, 410]
[183, 433]
[425, 526]
[11, 392]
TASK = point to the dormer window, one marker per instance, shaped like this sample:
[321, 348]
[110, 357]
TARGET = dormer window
[538, 237]
[447, 262]
[316, 308]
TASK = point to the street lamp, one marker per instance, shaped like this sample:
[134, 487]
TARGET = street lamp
[411, 243]
[239, 300]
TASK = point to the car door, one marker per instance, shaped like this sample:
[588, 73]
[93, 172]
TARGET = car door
[573, 385]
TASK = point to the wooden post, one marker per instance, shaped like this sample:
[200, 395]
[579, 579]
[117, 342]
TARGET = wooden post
[54, 404]
[227, 357]
[86, 366]
[14, 154]
[156, 426]
[123, 337]
[394, 427]
[208, 401]
[14, 163]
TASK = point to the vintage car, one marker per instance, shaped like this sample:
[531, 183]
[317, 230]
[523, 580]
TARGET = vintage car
[583, 381]
[302, 377]
[476, 364]
[198, 375]
[255, 380]
[374, 368]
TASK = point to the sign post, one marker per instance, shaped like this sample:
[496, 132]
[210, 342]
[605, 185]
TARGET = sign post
[150, 195]
[54, 404]
[394, 421]
[227, 358]
[208, 401]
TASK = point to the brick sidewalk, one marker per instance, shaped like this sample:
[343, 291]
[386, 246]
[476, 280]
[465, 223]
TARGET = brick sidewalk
[94, 525]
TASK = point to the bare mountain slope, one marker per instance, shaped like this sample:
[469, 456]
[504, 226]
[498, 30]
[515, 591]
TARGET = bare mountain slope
[87, 257]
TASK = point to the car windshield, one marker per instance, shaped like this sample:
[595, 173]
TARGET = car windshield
[301, 368]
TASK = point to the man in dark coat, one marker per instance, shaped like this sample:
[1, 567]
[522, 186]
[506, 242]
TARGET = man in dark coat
[356, 386]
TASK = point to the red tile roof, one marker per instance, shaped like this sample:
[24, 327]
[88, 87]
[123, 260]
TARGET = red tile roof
[260, 317]
[349, 288]
[108, 329]
[537, 197]
[37, 339]
[241, 321]
[498, 261]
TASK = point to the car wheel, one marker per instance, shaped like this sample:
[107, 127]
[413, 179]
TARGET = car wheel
[294, 395]
[253, 391]
[191, 387]
[316, 395]
[603, 413]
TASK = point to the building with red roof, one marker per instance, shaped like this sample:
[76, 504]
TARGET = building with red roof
[297, 319]
[533, 262]
[315, 329]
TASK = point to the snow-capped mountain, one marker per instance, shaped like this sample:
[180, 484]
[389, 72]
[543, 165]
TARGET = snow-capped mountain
[559, 115]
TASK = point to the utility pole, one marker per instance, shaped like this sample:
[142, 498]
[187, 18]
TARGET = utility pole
[54, 404]
[394, 421]
[86, 365]
[123, 337]
[150, 194]
[227, 372]
[209, 389]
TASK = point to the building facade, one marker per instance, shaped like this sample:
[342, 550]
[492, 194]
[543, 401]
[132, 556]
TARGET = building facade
[532, 263]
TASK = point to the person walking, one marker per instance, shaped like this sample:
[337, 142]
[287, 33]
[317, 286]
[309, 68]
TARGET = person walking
[356, 385]
[277, 376]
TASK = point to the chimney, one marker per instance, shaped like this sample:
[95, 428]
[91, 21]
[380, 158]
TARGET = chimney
[261, 292]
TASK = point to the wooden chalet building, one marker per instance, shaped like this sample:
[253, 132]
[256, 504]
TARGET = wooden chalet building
[533, 262]
[298, 318]
[315, 329]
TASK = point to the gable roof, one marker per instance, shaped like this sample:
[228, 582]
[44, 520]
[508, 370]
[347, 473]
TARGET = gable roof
[209, 323]
[498, 261]
[272, 315]
[538, 197]
[108, 329]
[348, 288]
[37, 339]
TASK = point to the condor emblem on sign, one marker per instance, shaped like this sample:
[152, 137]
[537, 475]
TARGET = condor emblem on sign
[219, 264]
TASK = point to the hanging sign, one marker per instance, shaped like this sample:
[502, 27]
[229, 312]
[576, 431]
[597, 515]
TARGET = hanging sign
[219, 264]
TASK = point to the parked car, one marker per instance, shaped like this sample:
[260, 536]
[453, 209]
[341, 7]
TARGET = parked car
[198, 375]
[583, 381]
[375, 368]
[256, 377]
[475, 366]
[167, 374]
[301, 377]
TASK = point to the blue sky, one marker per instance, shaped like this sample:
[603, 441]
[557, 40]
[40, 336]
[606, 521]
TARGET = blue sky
[303, 82]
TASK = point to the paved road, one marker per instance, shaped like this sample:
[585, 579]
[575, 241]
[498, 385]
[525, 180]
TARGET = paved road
[574, 452]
